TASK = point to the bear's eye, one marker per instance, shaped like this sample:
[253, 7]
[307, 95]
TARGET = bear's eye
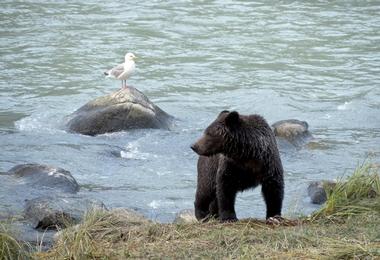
[209, 134]
[212, 134]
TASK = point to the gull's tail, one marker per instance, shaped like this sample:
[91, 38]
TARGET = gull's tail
[106, 73]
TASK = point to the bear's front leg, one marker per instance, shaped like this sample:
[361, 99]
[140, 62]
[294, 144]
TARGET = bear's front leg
[226, 195]
[273, 191]
[202, 204]
[206, 190]
[214, 209]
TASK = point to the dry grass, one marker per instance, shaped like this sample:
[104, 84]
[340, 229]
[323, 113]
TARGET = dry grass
[246, 239]
[352, 231]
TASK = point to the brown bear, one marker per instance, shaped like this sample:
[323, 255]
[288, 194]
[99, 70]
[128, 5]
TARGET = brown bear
[237, 152]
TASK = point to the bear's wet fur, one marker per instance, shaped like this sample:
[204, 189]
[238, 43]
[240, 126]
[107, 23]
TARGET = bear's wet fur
[237, 152]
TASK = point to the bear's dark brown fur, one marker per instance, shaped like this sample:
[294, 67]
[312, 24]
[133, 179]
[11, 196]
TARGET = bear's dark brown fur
[237, 152]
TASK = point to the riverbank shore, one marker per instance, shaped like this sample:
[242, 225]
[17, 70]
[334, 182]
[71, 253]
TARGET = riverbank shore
[347, 226]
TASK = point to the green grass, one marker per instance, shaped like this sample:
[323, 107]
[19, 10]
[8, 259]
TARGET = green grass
[346, 227]
[358, 194]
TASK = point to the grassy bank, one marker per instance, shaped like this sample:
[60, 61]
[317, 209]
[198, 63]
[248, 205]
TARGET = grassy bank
[354, 237]
[347, 227]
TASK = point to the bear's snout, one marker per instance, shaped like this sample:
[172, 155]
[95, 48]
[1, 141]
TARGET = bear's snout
[195, 148]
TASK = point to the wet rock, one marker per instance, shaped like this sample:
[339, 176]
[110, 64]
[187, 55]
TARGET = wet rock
[37, 176]
[53, 211]
[292, 130]
[124, 109]
[185, 216]
[317, 191]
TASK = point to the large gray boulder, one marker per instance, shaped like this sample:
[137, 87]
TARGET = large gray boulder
[44, 176]
[54, 212]
[293, 130]
[124, 109]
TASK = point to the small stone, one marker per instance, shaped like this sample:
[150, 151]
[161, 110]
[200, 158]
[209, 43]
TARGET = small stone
[316, 191]
[185, 216]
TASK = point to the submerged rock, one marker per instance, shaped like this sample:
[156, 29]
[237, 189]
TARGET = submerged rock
[124, 109]
[317, 191]
[292, 130]
[37, 176]
[185, 216]
[53, 212]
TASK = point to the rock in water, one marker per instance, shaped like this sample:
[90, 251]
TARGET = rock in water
[37, 176]
[52, 212]
[293, 130]
[124, 109]
[317, 191]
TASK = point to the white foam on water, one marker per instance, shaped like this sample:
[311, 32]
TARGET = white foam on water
[132, 152]
[155, 204]
[38, 123]
[344, 106]
[162, 173]
[327, 116]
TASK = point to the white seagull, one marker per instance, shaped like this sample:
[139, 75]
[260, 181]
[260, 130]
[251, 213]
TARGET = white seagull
[124, 70]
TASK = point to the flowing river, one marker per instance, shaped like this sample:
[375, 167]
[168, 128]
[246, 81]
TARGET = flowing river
[317, 61]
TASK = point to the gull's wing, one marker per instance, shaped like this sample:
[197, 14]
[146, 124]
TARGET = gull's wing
[115, 71]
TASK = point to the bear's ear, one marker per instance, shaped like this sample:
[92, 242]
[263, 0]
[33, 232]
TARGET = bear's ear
[232, 119]
[224, 112]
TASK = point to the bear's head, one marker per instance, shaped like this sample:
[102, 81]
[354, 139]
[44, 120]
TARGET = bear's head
[217, 136]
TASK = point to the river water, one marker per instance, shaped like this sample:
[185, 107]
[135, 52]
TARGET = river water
[317, 61]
